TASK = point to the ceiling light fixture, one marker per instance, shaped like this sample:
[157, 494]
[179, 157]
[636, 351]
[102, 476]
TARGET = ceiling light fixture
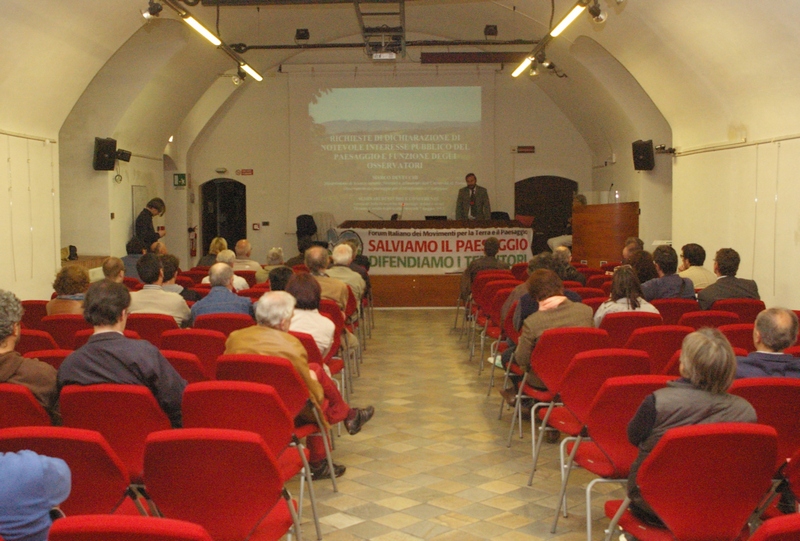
[153, 10]
[202, 30]
[566, 21]
[525, 63]
[251, 72]
[598, 14]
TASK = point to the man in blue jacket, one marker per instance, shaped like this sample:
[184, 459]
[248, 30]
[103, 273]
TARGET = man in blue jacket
[775, 330]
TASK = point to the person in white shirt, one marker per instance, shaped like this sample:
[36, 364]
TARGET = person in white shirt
[152, 299]
[342, 257]
[306, 317]
[228, 257]
[626, 296]
[243, 261]
[692, 258]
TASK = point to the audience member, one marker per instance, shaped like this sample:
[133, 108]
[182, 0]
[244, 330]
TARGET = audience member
[642, 263]
[630, 247]
[270, 337]
[332, 289]
[279, 277]
[114, 269]
[692, 258]
[217, 245]
[342, 258]
[32, 485]
[144, 229]
[668, 285]
[306, 318]
[727, 286]
[274, 259]
[158, 248]
[171, 264]
[562, 265]
[489, 261]
[528, 304]
[228, 257]
[303, 244]
[135, 249]
[37, 376]
[110, 357]
[707, 368]
[70, 285]
[222, 298]
[243, 261]
[152, 299]
[360, 264]
[626, 296]
[775, 330]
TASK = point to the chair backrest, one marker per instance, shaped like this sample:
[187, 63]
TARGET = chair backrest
[239, 405]
[125, 528]
[673, 365]
[588, 371]
[556, 347]
[610, 412]
[570, 284]
[708, 318]
[588, 292]
[252, 293]
[99, 478]
[598, 280]
[488, 275]
[672, 309]
[184, 281]
[123, 414]
[783, 528]
[188, 365]
[660, 342]
[203, 475]
[610, 266]
[331, 310]
[520, 271]
[794, 351]
[621, 325]
[496, 306]
[62, 328]
[352, 304]
[606, 287]
[207, 344]
[196, 275]
[740, 335]
[150, 326]
[297, 269]
[18, 407]
[82, 336]
[594, 303]
[53, 357]
[35, 340]
[34, 311]
[200, 290]
[275, 371]
[508, 324]
[693, 478]
[248, 275]
[777, 404]
[132, 283]
[588, 271]
[314, 355]
[224, 323]
[487, 294]
[747, 309]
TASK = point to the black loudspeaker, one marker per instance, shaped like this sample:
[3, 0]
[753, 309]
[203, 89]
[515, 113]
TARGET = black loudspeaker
[105, 154]
[643, 158]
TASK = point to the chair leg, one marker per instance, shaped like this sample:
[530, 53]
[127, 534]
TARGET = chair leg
[565, 469]
[537, 446]
[306, 479]
[293, 512]
[517, 411]
[589, 488]
[458, 309]
[328, 456]
[615, 519]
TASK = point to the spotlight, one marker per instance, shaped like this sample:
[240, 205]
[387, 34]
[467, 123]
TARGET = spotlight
[534, 70]
[598, 15]
[153, 10]
[490, 30]
[302, 34]
[236, 80]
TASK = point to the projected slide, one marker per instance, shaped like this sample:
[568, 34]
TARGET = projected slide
[381, 151]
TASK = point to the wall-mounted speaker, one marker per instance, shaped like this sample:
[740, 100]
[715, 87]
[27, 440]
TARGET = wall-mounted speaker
[105, 154]
[643, 156]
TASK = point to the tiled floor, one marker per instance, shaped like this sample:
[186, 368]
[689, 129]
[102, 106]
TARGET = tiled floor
[433, 462]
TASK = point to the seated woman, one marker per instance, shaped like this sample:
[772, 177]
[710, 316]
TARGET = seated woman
[626, 296]
[707, 367]
[643, 266]
[217, 245]
[71, 284]
[306, 318]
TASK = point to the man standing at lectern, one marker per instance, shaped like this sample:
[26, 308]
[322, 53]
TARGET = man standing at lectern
[473, 201]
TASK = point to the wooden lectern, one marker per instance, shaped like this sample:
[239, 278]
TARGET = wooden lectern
[599, 231]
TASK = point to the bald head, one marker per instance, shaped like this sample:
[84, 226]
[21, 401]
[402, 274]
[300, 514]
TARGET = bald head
[221, 274]
[316, 259]
[243, 248]
[775, 330]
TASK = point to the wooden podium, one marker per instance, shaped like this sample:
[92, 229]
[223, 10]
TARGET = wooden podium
[599, 231]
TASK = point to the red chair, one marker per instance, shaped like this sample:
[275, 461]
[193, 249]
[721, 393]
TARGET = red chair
[255, 407]
[184, 281]
[18, 407]
[740, 335]
[82, 336]
[196, 275]
[672, 309]
[205, 343]
[63, 327]
[493, 329]
[224, 323]
[330, 309]
[201, 290]
[520, 271]
[150, 326]
[598, 280]
[490, 305]
[188, 365]
[747, 309]
[132, 284]
[100, 483]
[693, 480]
[248, 275]
[204, 475]
[784, 528]
[588, 292]
[610, 266]
[594, 303]
[621, 325]
[33, 312]
[606, 287]
[589, 272]
[570, 284]
[660, 343]
[53, 357]
[794, 351]
[708, 318]
[777, 404]
[253, 293]
[34, 340]
[299, 268]
[603, 449]
[125, 528]
[336, 366]
[123, 414]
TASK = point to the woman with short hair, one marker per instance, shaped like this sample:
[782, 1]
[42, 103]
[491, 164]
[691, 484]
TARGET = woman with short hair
[626, 296]
[217, 245]
[306, 317]
[70, 285]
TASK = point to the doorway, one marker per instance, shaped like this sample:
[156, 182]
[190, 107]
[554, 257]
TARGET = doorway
[224, 203]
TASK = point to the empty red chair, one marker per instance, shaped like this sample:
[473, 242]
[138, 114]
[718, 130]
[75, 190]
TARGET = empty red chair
[150, 326]
[224, 323]
[125, 528]
[594, 302]
[660, 342]
[610, 266]
[34, 340]
[248, 275]
[207, 344]
[227, 481]
[184, 281]
[570, 284]
[196, 275]
[201, 289]
[621, 325]
[785, 528]
[18, 407]
[188, 365]
[123, 414]
[62, 328]
[82, 336]
[740, 335]
[588, 292]
[708, 318]
[33, 313]
[747, 309]
[598, 280]
[53, 357]
[672, 309]
[100, 483]
[589, 272]
[253, 293]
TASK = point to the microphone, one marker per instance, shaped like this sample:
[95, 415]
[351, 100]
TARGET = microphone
[378, 215]
[402, 209]
[609, 192]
